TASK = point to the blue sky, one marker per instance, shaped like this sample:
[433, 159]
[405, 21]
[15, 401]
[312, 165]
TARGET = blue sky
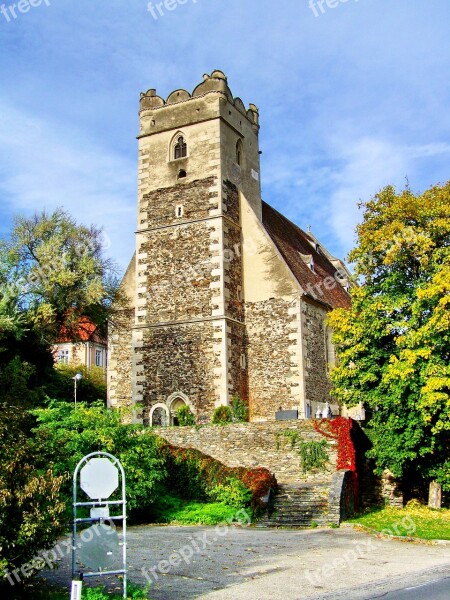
[350, 100]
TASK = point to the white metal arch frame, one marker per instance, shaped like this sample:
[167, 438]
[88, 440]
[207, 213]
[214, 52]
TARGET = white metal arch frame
[101, 502]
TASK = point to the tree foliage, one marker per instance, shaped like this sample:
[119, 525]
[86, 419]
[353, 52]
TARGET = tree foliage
[52, 271]
[394, 344]
[58, 273]
[65, 435]
[31, 507]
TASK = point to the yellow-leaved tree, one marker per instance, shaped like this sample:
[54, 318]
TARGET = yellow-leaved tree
[394, 344]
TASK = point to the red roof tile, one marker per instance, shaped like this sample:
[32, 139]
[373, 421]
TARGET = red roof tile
[83, 332]
[296, 247]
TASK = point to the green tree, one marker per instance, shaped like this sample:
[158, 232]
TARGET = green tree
[394, 344]
[31, 511]
[59, 274]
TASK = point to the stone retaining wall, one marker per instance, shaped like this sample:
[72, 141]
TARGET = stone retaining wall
[255, 445]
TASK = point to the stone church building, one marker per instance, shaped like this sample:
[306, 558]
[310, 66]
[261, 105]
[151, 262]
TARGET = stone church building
[227, 296]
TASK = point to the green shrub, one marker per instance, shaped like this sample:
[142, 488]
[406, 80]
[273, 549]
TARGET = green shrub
[134, 592]
[64, 435]
[222, 415]
[193, 475]
[172, 509]
[239, 410]
[31, 506]
[233, 493]
[185, 416]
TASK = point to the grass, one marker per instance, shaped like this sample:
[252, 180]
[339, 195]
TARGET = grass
[39, 590]
[414, 520]
[176, 511]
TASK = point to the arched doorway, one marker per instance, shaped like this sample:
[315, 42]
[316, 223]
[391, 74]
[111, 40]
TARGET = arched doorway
[159, 416]
[174, 402]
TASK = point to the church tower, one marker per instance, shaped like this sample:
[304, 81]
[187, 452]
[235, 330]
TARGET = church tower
[226, 295]
[196, 152]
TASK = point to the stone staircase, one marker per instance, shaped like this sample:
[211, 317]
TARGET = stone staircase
[300, 505]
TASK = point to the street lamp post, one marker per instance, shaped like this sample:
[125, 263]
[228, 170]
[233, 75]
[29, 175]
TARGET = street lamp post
[76, 378]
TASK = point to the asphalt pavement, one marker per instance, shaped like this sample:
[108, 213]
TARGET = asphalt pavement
[227, 563]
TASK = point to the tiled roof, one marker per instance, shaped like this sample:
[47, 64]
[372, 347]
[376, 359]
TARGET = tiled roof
[84, 332]
[299, 250]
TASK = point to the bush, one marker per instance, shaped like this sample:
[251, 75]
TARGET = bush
[193, 475]
[172, 509]
[239, 410]
[64, 435]
[134, 592]
[31, 506]
[185, 416]
[222, 415]
[233, 493]
[90, 388]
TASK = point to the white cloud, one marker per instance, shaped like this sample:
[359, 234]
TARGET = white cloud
[45, 166]
[369, 165]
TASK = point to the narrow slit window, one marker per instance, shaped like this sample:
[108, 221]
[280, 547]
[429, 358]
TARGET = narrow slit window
[179, 210]
[239, 153]
[180, 148]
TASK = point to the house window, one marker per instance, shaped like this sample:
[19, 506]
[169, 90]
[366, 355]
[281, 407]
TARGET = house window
[182, 174]
[180, 148]
[179, 210]
[243, 362]
[63, 357]
[98, 358]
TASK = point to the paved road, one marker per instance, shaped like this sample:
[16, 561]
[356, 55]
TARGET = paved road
[186, 563]
[436, 590]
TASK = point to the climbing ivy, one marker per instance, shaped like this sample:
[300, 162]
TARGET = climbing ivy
[313, 454]
[290, 434]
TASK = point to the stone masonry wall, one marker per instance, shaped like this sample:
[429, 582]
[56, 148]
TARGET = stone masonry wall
[237, 364]
[179, 273]
[254, 445]
[159, 207]
[317, 381]
[120, 361]
[270, 357]
[180, 358]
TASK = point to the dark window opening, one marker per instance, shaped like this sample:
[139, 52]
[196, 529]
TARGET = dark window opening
[239, 153]
[180, 148]
[182, 174]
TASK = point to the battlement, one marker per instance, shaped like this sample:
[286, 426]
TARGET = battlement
[216, 83]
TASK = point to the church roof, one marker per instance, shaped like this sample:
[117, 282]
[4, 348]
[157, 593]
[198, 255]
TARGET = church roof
[310, 263]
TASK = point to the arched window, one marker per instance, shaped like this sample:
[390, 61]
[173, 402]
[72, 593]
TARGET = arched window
[180, 148]
[239, 153]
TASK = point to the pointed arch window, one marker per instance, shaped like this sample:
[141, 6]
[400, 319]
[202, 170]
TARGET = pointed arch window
[180, 148]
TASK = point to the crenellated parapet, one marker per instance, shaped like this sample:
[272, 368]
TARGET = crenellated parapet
[216, 83]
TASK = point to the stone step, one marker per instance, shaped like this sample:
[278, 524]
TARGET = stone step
[299, 505]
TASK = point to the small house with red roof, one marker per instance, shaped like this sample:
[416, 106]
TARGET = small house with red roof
[85, 347]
